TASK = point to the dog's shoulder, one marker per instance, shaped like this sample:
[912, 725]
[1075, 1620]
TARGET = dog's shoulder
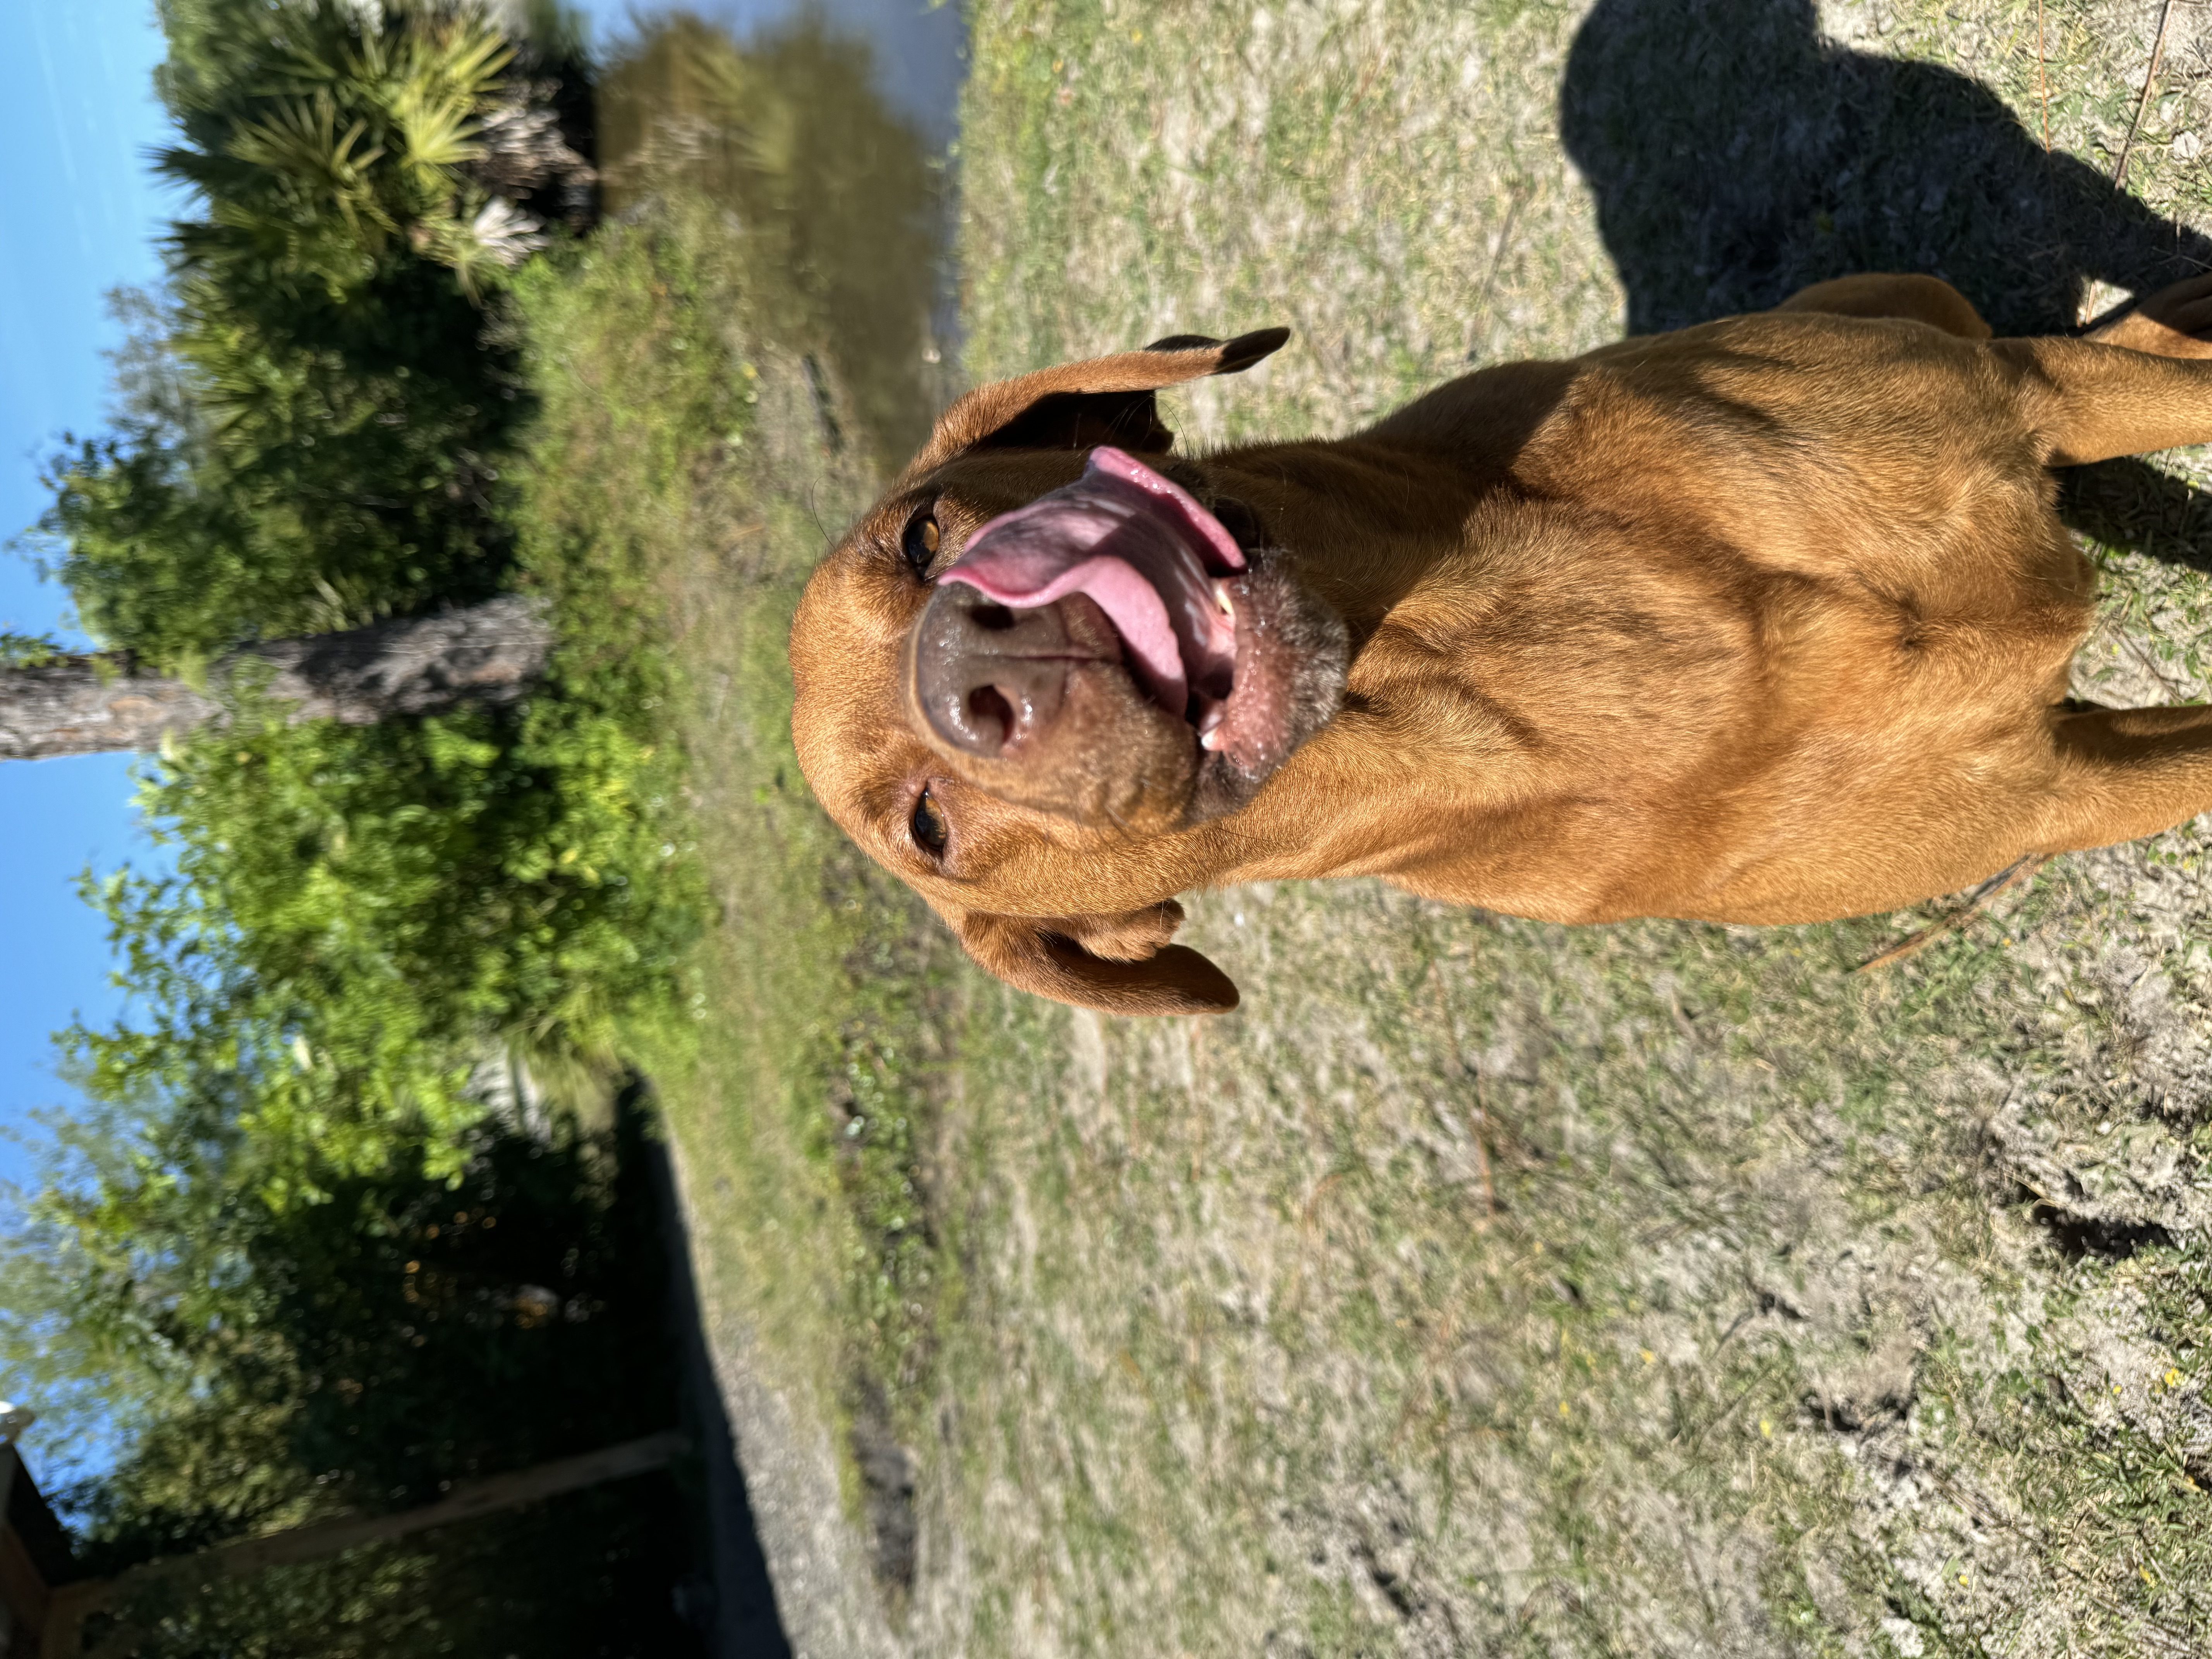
[1835, 449]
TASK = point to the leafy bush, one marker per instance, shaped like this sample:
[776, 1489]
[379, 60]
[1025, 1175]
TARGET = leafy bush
[357, 913]
[330, 143]
[839, 201]
[335, 499]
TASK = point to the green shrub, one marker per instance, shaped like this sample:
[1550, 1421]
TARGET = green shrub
[341, 498]
[357, 913]
[277, 1363]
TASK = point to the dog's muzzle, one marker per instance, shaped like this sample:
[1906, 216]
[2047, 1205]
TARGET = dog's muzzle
[992, 680]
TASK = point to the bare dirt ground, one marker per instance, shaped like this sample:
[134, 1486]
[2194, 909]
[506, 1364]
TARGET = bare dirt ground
[1484, 1286]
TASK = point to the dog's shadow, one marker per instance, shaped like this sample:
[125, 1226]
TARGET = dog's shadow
[1736, 157]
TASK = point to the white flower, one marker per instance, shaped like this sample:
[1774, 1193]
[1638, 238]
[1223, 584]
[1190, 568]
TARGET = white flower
[505, 232]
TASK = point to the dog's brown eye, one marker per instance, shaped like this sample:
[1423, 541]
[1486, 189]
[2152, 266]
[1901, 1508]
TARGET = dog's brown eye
[928, 824]
[920, 542]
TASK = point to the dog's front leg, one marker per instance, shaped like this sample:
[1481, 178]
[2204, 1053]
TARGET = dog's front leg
[2171, 323]
[2143, 382]
[2125, 773]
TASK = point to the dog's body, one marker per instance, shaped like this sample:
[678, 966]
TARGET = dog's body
[1768, 620]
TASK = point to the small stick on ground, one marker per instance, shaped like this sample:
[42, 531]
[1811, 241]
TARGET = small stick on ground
[2150, 83]
[1482, 1151]
[1977, 902]
[1479, 312]
[2042, 76]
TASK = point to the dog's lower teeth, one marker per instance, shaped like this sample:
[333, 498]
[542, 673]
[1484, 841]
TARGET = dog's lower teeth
[1221, 597]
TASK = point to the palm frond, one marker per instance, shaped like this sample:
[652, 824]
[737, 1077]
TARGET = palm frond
[317, 54]
[447, 78]
[468, 55]
[322, 168]
[480, 250]
[438, 133]
[300, 140]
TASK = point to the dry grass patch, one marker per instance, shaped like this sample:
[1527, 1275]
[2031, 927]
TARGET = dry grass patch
[1484, 1287]
[1493, 1287]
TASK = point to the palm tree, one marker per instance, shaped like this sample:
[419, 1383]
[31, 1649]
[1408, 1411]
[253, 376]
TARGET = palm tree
[340, 418]
[349, 147]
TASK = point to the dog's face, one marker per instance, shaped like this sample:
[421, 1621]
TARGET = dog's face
[1046, 660]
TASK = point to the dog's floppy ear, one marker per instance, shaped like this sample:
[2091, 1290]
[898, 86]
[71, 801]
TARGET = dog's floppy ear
[1117, 964]
[1103, 400]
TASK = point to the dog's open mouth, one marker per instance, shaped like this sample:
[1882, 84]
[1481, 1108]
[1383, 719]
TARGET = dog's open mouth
[1164, 571]
[1114, 652]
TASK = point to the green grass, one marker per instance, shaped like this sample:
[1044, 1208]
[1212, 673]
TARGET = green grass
[1483, 1286]
[797, 1069]
[1752, 1341]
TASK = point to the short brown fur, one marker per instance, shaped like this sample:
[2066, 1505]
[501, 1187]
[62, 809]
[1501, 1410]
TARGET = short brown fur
[1769, 620]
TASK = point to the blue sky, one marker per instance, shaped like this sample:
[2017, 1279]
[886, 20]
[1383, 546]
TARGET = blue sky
[76, 116]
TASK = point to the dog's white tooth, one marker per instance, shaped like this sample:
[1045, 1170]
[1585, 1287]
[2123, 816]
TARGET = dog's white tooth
[1221, 597]
[1209, 739]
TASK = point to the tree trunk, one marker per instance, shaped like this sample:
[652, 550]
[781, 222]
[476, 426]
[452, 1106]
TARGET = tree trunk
[489, 654]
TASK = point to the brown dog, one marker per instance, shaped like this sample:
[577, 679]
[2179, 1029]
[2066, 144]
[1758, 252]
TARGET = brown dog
[1765, 621]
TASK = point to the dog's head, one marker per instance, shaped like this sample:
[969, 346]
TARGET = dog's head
[1051, 663]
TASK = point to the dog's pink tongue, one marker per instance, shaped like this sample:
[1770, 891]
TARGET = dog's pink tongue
[1136, 545]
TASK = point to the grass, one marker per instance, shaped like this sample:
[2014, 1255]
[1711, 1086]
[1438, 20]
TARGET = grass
[1484, 1287]
[1654, 1289]
[701, 465]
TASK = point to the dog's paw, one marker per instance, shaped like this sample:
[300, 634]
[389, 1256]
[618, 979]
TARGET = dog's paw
[1133, 936]
[2174, 322]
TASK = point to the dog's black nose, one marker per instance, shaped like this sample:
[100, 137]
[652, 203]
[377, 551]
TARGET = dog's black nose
[986, 676]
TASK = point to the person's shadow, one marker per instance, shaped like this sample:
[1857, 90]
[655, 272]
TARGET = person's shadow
[1736, 157]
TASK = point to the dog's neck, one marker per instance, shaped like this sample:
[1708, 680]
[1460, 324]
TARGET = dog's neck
[1372, 519]
[1408, 560]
